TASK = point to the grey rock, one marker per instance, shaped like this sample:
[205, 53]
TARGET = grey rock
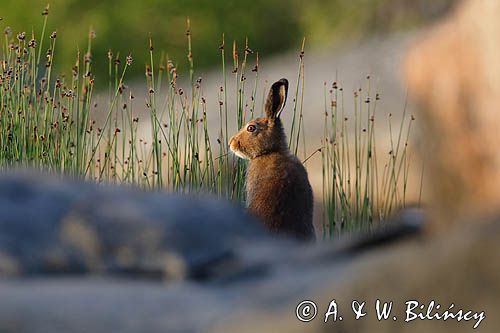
[54, 226]
[447, 269]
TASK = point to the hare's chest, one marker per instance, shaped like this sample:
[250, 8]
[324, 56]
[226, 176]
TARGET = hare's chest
[265, 184]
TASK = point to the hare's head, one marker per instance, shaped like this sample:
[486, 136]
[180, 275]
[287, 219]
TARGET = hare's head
[263, 135]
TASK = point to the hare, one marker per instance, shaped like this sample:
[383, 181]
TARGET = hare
[277, 188]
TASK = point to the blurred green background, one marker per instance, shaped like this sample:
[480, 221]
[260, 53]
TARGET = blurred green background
[271, 26]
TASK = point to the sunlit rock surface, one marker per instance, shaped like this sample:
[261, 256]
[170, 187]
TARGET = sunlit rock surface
[453, 72]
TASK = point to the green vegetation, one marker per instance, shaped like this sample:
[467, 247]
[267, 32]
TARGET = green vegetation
[271, 26]
[52, 121]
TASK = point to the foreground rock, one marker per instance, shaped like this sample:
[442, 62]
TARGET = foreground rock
[49, 226]
[447, 271]
[78, 257]
[459, 268]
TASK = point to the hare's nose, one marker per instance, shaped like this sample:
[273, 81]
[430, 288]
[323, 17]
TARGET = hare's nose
[234, 143]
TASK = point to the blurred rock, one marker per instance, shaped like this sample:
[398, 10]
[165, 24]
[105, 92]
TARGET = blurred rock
[79, 257]
[453, 72]
[54, 226]
[460, 268]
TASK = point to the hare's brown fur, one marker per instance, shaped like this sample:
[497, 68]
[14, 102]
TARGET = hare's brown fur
[277, 188]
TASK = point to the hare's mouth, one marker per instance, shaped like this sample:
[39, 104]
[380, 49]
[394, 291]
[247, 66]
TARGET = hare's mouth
[239, 153]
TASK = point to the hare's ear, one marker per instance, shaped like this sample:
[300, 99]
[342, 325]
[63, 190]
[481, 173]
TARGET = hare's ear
[276, 99]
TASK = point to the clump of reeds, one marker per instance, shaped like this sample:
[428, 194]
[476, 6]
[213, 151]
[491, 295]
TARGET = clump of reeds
[356, 191]
[43, 117]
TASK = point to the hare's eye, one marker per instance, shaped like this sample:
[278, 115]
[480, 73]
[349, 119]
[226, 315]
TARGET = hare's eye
[251, 128]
